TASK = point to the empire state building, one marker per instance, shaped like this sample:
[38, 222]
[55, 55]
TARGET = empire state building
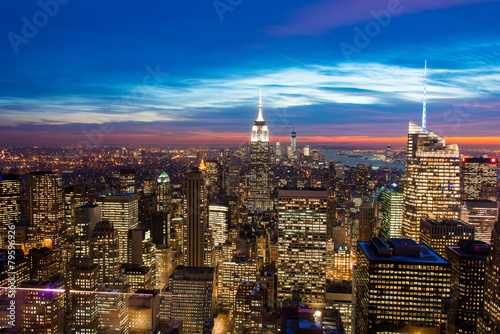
[258, 194]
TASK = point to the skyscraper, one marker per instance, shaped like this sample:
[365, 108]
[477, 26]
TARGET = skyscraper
[400, 286]
[82, 308]
[218, 223]
[432, 187]
[74, 196]
[479, 178]
[40, 302]
[293, 143]
[122, 211]
[196, 217]
[302, 221]
[10, 198]
[441, 233]
[127, 181]
[362, 177]
[105, 251]
[258, 194]
[481, 214]
[189, 297]
[367, 221]
[391, 213]
[467, 284]
[278, 149]
[489, 321]
[233, 181]
[213, 180]
[46, 210]
[163, 193]
[86, 218]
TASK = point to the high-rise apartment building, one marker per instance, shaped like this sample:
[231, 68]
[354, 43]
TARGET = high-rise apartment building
[467, 261]
[482, 215]
[112, 307]
[122, 210]
[302, 225]
[432, 180]
[213, 178]
[479, 178]
[391, 213]
[10, 198]
[39, 303]
[190, 297]
[400, 287]
[218, 223]
[441, 233]
[128, 181]
[82, 284]
[163, 193]
[105, 251]
[86, 218]
[74, 197]
[362, 177]
[196, 216]
[251, 298]
[164, 266]
[230, 274]
[367, 221]
[258, 194]
[46, 210]
[233, 181]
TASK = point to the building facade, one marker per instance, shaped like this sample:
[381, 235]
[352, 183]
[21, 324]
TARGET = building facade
[302, 225]
[400, 287]
[432, 180]
[258, 193]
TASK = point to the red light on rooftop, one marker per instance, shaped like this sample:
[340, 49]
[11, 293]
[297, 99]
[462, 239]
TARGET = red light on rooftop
[463, 159]
[494, 160]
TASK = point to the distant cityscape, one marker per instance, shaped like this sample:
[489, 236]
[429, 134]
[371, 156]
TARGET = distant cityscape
[261, 238]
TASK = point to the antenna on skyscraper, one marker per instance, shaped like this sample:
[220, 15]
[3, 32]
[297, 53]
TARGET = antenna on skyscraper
[260, 96]
[424, 110]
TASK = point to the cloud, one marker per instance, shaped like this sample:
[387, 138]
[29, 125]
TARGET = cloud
[325, 15]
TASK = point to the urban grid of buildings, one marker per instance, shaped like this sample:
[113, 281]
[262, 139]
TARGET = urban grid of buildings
[255, 239]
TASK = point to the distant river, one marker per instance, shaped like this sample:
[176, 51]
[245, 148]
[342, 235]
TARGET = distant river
[351, 159]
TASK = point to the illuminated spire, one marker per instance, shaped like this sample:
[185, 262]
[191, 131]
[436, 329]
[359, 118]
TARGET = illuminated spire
[424, 110]
[202, 165]
[260, 118]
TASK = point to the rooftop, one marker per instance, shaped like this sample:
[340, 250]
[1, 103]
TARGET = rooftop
[426, 255]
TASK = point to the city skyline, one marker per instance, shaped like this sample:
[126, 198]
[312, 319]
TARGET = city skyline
[171, 73]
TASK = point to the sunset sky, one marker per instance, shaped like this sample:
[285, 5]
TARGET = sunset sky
[346, 72]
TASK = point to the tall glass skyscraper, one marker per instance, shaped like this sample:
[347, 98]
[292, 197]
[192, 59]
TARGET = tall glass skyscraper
[258, 194]
[302, 216]
[432, 187]
[122, 210]
[46, 208]
[163, 193]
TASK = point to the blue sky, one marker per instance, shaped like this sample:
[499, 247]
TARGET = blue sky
[170, 72]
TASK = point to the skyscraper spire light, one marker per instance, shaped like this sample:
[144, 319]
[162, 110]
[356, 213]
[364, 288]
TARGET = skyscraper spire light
[424, 110]
[260, 118]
